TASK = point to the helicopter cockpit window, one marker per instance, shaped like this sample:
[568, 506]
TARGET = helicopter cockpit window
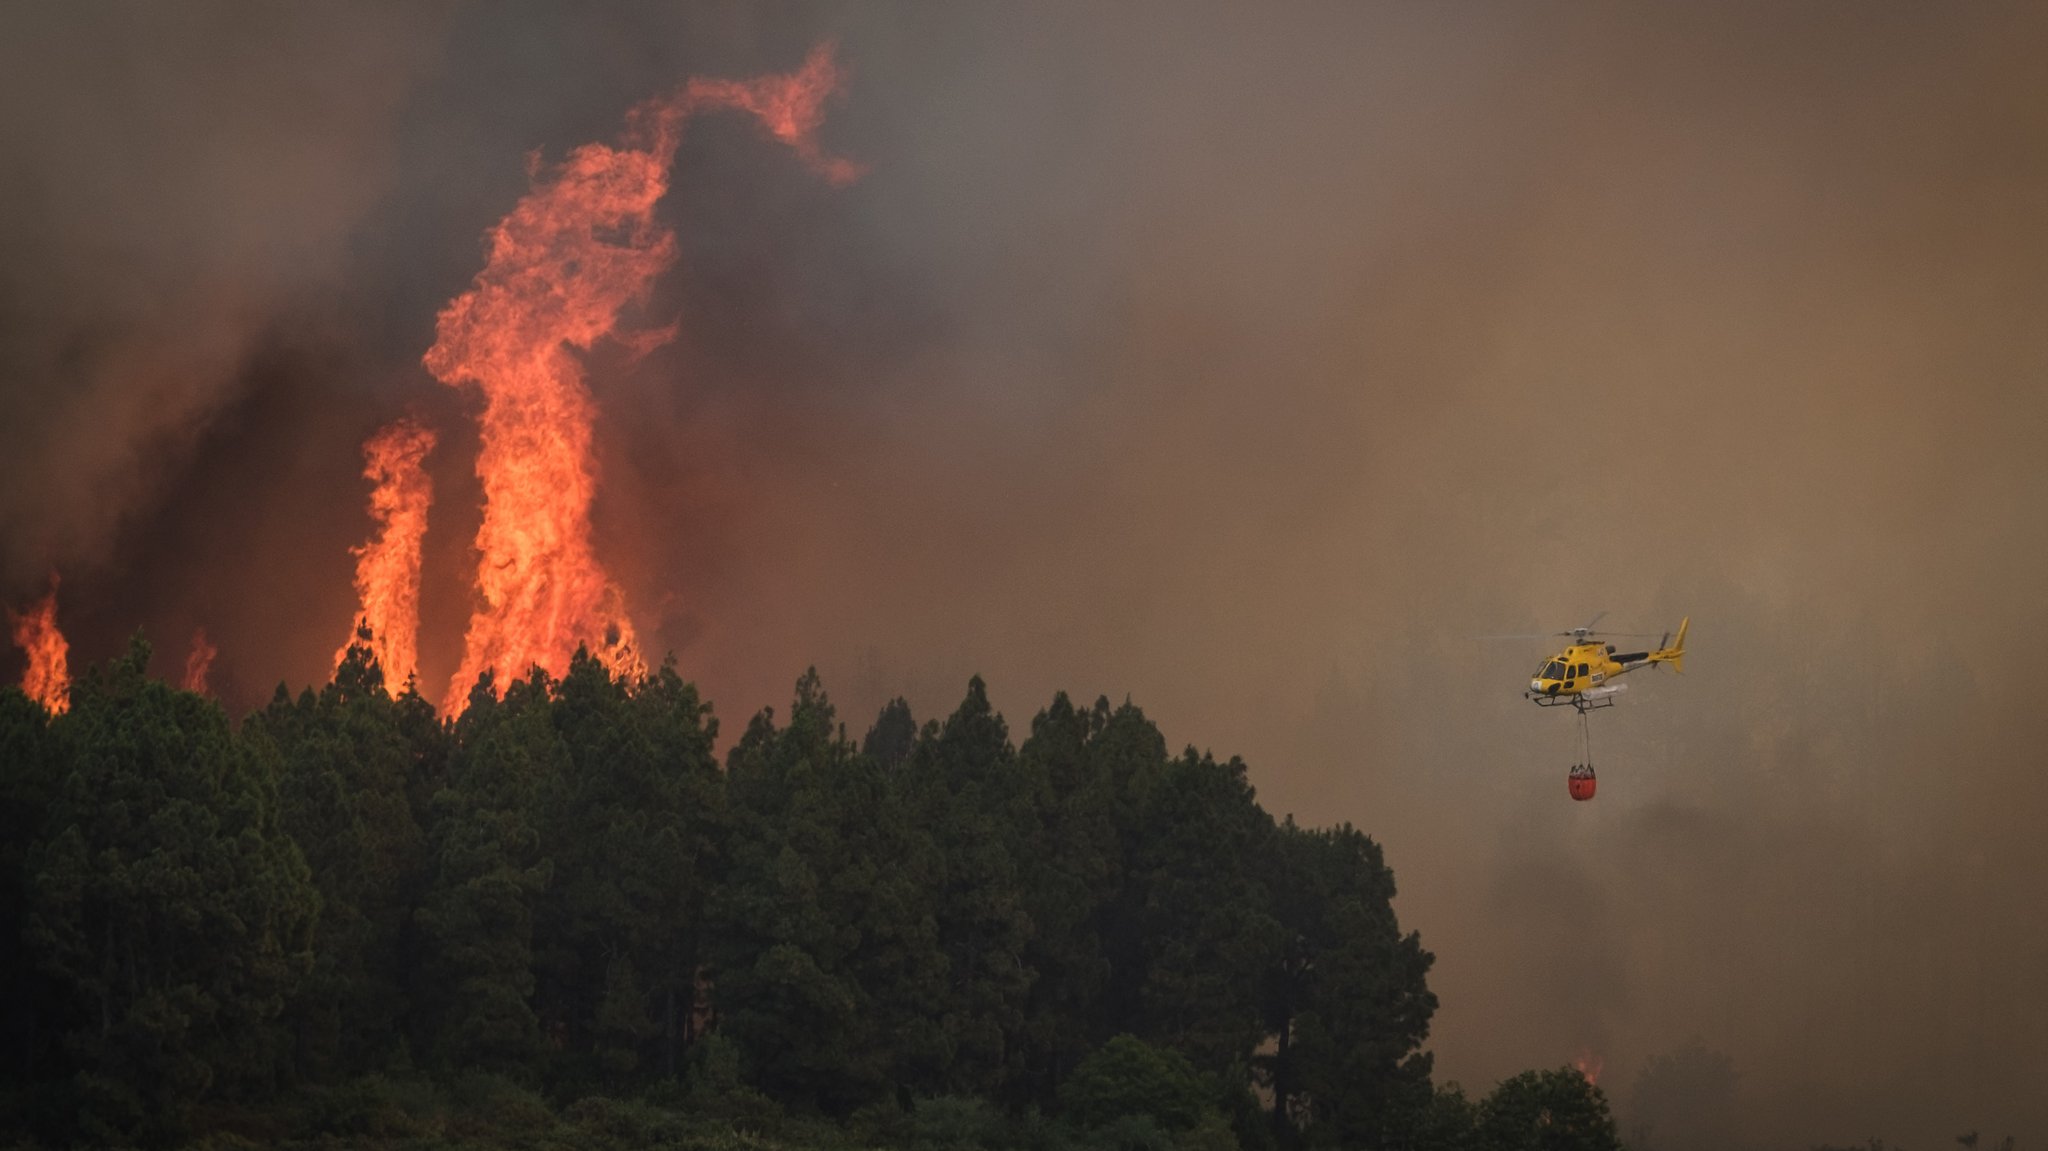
[1553, 670]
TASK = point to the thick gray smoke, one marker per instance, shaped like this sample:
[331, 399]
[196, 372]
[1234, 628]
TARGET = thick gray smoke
[179, 181]
[1246, 361]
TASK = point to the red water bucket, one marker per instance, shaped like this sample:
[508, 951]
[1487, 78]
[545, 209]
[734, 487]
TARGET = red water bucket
[1581, 782]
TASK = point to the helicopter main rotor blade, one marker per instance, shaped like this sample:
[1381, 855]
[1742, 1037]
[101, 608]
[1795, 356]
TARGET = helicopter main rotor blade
[1577, 631]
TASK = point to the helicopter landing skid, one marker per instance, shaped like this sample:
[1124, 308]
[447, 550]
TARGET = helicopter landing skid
[1580, 703]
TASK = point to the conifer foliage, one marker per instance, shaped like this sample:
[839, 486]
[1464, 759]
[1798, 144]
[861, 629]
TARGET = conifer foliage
[169, 913]
[564, 890]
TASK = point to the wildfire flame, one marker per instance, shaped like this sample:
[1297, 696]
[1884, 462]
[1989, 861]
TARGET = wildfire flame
[388, 567]
[574, 252]
[790, 107]
[199, 661]
[1589, 1065]
[47, 680]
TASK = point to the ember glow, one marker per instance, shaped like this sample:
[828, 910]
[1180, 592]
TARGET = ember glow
[1589, 1065]
[47, 680]
[388, 567]
[579, 248]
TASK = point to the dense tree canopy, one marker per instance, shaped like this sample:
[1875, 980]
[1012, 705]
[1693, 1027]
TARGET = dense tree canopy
[564, 888]
[1555, 1110]
[166, 906]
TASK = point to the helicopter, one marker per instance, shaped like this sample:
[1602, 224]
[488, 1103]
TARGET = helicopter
[1582, 677]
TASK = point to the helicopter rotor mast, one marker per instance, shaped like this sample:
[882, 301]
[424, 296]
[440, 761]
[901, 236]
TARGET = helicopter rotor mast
[1586, 631]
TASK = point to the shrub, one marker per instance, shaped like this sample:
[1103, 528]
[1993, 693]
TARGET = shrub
[629, 1122]
[952, 1121]
[717, 1092]
[372, 1105]
[490, 1104]
[1130, 1133]
[1129, 1078]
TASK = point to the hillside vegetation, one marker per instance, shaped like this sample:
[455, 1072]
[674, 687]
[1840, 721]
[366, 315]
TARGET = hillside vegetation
[559, 920]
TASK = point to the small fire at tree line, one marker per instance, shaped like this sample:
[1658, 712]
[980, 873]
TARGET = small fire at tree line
[47, 680]
[574, 253]
[199, 662]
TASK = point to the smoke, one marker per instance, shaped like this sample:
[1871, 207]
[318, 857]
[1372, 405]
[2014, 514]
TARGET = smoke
[179, 182]
[1246, 362]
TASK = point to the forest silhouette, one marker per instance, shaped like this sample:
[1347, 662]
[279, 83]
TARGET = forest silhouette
[559, 920]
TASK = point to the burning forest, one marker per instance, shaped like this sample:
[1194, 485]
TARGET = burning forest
[460, 398]
[575, 252]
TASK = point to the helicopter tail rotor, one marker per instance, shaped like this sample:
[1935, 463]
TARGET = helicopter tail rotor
[1672, 651]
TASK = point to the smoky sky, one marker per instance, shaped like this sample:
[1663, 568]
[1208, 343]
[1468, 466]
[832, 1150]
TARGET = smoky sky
[1248, 361]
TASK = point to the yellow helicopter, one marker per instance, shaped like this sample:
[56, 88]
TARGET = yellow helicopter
[1582, 676]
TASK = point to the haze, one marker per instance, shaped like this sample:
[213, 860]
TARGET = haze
[1247, 361]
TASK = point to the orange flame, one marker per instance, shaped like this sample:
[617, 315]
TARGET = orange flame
[199, 661]
[1589, 1065]
[791, 108]
[388, 567]
[47, 680]
[574, 252]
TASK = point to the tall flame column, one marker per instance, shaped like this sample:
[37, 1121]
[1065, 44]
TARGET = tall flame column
[574, 252]
[388, 567]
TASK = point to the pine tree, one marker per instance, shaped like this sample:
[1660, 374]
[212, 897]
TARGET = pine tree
[1073, 869]
[344, 792]
[826, 951]
[628, 825]
[1346, 998]
[963, 784]
[1208, 931]
[1126, 759]
[29, 777]
[894, 736]
[488, 873]
[172, 912]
